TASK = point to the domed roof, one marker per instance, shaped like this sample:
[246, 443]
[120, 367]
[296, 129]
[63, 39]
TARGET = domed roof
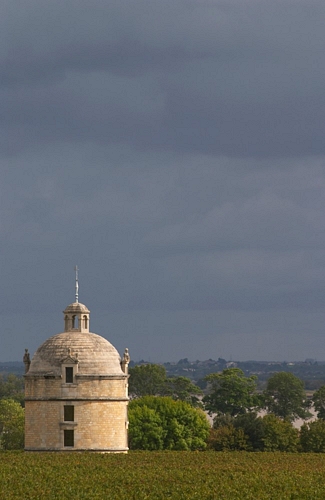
[76, 307]
[94, 354]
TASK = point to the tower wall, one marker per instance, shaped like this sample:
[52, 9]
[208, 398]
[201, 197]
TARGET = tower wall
[98, 426]
[99, 413]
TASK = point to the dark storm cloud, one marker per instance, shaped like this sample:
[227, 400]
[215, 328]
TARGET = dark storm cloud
[235, 78]
[201, 235]
[175, 151]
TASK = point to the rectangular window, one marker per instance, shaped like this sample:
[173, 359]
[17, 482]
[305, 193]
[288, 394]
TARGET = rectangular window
[69, 375]
[69, 413]
[68, 437]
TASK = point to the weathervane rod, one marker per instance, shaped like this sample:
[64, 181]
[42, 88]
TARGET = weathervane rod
[77, 283]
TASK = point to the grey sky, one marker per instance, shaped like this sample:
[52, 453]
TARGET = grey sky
[175, 151]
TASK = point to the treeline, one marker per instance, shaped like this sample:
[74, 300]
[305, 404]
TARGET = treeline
[310, 371]
[171, 412]
[251, 432]
[243, 418]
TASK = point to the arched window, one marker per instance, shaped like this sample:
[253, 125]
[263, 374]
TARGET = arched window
[85, 322]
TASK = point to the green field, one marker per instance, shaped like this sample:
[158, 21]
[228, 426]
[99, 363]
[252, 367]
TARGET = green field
[162, 475]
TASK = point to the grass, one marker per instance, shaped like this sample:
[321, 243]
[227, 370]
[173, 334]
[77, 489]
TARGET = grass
[162, 475]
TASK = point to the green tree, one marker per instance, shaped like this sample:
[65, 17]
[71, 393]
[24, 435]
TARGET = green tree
[227, 438]
[253, 427]
[147, 380]
[161, 423]
[11, 425]
[319, 402]
[182, 388]
[279, 435]
[260, 434]
[231, 392]
[285, 397]
[253, 433]
[146, 430]
[222, 421]
[12, 387]
[312, 437]
[152, 380]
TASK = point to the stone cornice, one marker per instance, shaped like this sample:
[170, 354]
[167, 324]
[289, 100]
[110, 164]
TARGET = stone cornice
[74, 399]
[74, 450]
[94, 376]
[79, 376]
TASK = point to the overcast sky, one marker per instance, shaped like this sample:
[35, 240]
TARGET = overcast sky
[175, 151]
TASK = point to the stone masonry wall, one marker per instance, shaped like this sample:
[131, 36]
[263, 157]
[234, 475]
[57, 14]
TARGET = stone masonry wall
[97, 425]
[100, 413]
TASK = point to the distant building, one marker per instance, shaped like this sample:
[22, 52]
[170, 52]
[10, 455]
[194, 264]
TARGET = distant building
[76, 390]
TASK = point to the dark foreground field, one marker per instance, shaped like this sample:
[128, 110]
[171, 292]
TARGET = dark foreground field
[162, 475]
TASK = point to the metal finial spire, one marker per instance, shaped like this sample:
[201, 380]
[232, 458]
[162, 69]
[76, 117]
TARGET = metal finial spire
[77, 283]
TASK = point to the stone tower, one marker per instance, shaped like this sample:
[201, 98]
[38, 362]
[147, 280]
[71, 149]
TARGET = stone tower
[76, 391]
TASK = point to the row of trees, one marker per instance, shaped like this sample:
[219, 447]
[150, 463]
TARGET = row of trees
[168, 412]
[234, 400]
[229, 392]
[251, 432]
[234, 403]
[232, 393]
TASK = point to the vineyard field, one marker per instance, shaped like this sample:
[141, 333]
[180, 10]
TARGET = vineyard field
[162, 475]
